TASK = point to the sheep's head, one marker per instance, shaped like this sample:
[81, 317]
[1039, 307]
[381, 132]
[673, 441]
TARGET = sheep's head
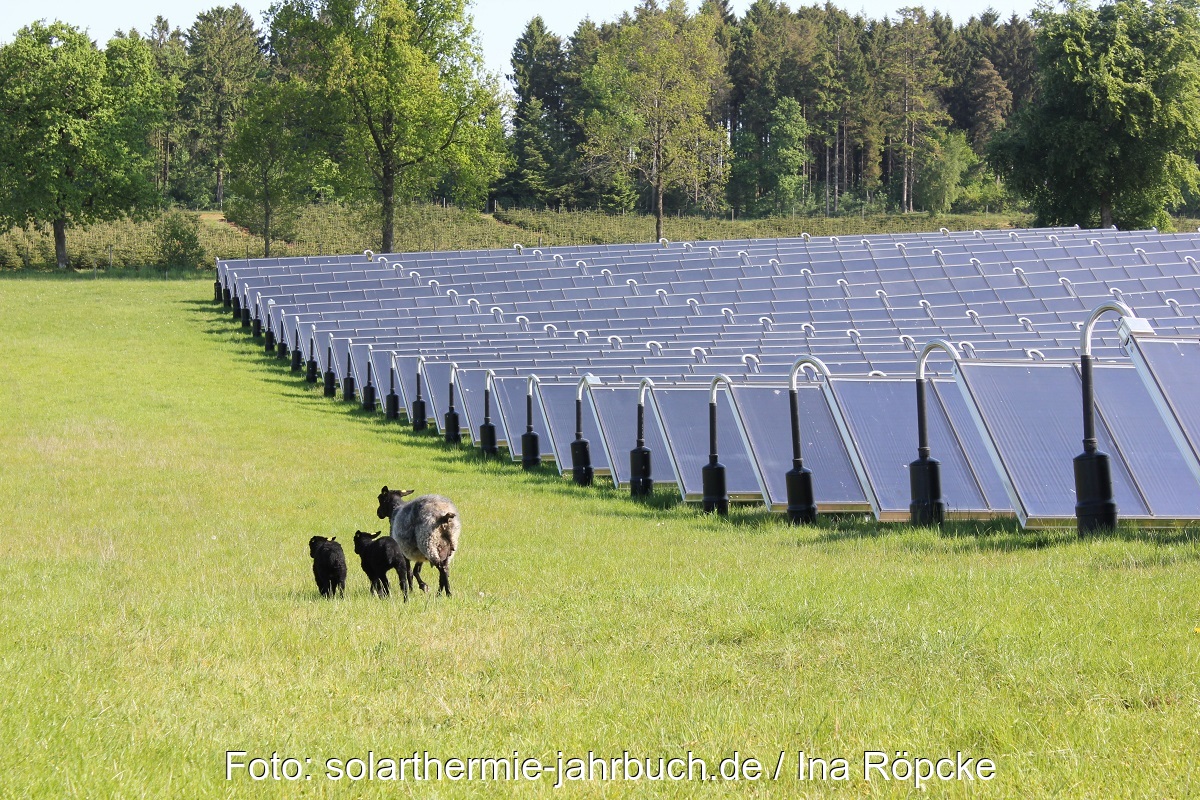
[389, 501]
[316, 542]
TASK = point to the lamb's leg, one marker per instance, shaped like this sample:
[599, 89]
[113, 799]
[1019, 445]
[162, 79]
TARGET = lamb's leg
[385, 589]
[444, 580]
[417, 577]
[402, 575]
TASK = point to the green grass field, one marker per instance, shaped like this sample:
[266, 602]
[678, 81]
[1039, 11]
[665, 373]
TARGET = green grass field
[161, 479]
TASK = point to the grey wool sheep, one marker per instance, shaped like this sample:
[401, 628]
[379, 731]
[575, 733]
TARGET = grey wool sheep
[427, 528]
[378, 556]
[329, 565]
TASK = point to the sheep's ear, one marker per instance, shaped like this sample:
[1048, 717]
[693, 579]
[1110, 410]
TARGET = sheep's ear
[407, 492]
[334, 539]
[384, 490]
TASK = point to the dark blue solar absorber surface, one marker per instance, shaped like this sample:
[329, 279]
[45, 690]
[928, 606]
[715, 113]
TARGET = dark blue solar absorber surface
[616, 408]
[882, 417]
[559, 402]
[684, 416]
[766, 413]
[1175, 368]
[1034, 415]
[1156, 465]
[511, 393]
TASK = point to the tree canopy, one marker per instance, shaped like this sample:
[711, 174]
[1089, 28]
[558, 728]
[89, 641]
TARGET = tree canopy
[653, 80]
[1112, 135]
[75, 147]
[404, 79]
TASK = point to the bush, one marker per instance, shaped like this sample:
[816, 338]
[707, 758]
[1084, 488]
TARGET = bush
[177, 241]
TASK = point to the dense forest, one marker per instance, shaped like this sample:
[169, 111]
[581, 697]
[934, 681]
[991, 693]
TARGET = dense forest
[1088, 115]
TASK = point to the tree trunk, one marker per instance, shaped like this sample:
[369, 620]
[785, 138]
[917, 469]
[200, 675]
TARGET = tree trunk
[1106, 212]
[266, 220]
[220, 178]
[60, 243]
[388, 186]
[658, 206]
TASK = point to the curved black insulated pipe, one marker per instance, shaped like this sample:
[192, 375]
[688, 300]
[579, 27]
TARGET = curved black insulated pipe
[368, 391]
[330, 378]
[487, 430]
[641, 482]
[925, 474]
[582, 471]
[452, 424]
[419, 421]
[531, 454]
[391, 404]
[801, 507]
[348, 387]
[1095, 508]
[712, 474]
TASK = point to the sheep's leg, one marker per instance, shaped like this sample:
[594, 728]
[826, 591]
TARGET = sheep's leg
[417, 576]
[444, 580]
[384, 586]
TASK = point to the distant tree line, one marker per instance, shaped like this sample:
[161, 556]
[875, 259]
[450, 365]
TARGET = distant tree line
[1090, 114]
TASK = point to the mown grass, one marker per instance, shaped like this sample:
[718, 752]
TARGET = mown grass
[161, 480]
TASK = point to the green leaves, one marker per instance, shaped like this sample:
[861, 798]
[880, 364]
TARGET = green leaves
[1112, 137]
[76, 146]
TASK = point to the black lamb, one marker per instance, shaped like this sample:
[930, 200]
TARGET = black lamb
[329, 565]
[380, 554]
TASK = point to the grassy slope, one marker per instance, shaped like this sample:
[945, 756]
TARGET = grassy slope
[161, 480]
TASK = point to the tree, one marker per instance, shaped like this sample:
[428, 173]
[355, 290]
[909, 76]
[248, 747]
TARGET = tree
[911, 77]
[653, 81]
[539, 145]
[76, 146]
[171, 60]
[270, 161]
[225, 60]
[786, 156]
[990, 103]
[1113, 133]
[944, 162]
[403, 79]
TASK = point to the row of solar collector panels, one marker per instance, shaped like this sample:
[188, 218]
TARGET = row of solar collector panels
[897, 280]
[1005, 432]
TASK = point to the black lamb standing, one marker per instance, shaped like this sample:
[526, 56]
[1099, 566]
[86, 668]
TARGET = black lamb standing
[380, 554]
[329, 565]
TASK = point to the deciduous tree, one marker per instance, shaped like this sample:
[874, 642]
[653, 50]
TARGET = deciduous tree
[1112, 135]
[76, 122]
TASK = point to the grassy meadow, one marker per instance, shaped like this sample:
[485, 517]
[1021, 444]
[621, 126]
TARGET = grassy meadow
[161, 479]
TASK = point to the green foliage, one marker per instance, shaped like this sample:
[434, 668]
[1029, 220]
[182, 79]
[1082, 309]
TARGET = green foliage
[177, 241]
[404, 101]
[75, 147]
[225, 62]
[271, 161]
[653, 81]
[1113, 135]
[944, 161]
